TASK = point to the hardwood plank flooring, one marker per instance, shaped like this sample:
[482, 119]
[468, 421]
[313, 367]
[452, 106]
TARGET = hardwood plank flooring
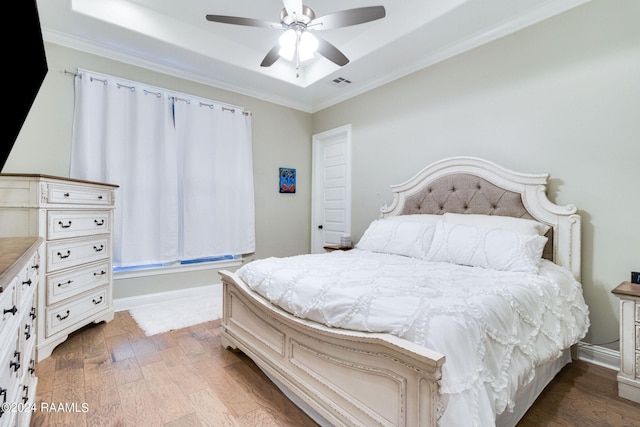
[184, 378]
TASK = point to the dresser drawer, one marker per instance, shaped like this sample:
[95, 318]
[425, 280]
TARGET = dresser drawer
[69, 283]
[68, 253]
[65, 224]
[28, 279]
[67, 314]
[34, 267]
[11, 417]
[8, 307]
[638, 312]
[10, 365]
[9, 386]
[28, 397]
[28, 325]
[58, 193]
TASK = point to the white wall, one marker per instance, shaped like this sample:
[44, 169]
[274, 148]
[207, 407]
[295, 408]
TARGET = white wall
[562, 97]
[282, 221]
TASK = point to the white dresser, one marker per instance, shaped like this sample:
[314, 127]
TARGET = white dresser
[19, 278]
[75, 218]
[629, 374]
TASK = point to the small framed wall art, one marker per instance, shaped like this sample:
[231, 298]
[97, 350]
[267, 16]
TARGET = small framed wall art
[287, 180]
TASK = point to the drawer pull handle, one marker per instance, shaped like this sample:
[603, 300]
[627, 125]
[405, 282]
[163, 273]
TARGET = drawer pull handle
[32, 366]
[66, 194]
[99, 197]
[15, 365]
[28, 282]
[13, 310]
[96, 302]
[102, 273]
[32, 313]
[68, 282]
[25, 398]
[61, 224]
[64, 256]
[27, 331]
[98, 249]
[35, 267]
[99, 223]
[63, 317]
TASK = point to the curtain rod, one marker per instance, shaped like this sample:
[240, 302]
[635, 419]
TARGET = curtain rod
[202, 104]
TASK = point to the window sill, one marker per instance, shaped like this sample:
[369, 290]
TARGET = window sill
[177, 268]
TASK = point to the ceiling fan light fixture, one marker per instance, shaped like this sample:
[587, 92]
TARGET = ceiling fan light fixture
[297, 44]
[303, 43]
[288, 41]
[307, 46]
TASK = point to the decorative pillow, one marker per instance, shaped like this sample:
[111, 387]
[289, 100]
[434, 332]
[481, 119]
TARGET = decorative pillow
[518, 225]
[427, 218]
[492, 248]
[408, 235]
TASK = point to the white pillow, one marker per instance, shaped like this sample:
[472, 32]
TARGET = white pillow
[408, 235]
[427, 218]
[518, 225]
[492, 248]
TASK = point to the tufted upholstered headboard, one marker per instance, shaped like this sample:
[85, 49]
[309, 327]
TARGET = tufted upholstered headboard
[470, 185]
[469, 194]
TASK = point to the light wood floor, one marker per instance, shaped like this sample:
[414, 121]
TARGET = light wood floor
[185, 378]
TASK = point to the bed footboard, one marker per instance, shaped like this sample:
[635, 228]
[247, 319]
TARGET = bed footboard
[350, 378]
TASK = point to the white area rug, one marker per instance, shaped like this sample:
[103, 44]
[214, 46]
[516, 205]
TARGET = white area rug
[181, 312]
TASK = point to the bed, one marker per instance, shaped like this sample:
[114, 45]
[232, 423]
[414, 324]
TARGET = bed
[457, 306]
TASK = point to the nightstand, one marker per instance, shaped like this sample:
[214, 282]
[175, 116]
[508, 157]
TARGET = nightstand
[629, 374]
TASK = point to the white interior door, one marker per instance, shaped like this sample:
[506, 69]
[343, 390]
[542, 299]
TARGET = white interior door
[331, 184]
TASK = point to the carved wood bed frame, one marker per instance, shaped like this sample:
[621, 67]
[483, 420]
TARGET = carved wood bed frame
[361, 379]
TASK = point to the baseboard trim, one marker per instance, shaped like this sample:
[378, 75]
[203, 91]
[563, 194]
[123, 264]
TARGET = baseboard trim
[598, 355]
[127, 303]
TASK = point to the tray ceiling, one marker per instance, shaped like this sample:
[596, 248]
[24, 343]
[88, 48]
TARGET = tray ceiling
[174, 37]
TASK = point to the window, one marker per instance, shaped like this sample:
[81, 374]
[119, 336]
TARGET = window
[183, 164]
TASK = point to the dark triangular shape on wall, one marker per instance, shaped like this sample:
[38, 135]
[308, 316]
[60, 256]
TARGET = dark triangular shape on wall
[22, 46]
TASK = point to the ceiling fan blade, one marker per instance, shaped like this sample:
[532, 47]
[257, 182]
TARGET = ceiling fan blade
[348, 17]
[249, 22]
[272, 56]
[294, 8]
[331, 52]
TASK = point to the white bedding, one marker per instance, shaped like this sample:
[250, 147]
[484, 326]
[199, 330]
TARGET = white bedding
[493, 326]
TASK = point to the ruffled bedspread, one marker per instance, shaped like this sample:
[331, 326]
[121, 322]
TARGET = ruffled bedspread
[493, 327]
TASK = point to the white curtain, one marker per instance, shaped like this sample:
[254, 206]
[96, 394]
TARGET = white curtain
[127, 134]
[217, 196]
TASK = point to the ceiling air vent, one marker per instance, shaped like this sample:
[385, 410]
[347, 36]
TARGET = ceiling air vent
[340, 82]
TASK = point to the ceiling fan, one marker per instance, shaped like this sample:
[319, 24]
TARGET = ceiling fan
[297, 20]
